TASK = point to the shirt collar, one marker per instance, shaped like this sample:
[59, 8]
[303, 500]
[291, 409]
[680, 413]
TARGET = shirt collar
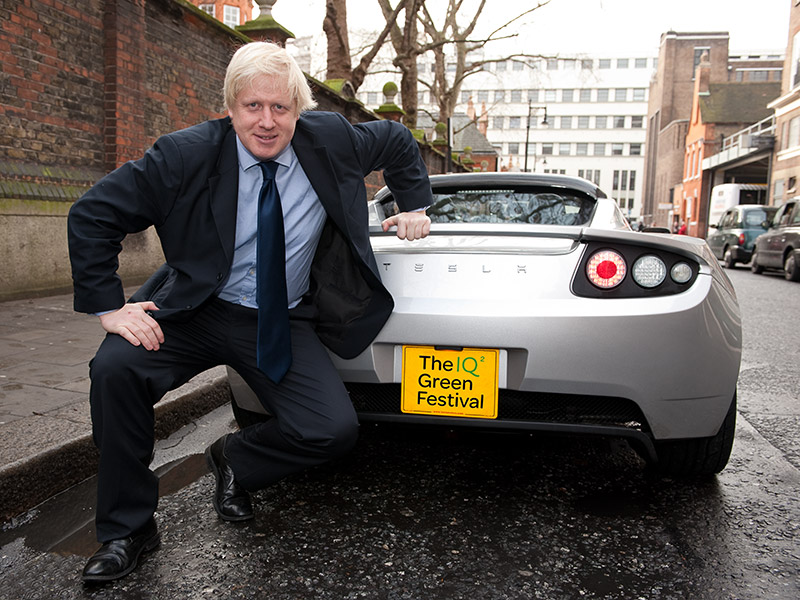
[247, 160]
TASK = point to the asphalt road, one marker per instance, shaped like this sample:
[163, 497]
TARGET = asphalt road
[428, 514]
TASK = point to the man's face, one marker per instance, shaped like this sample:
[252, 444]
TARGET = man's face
[264, 116]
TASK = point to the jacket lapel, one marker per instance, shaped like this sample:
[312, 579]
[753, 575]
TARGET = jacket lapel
[223, 190]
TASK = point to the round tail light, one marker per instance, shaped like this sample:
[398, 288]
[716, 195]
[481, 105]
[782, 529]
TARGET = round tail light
[606, 269]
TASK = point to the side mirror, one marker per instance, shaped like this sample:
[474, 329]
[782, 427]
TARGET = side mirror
[713, 226]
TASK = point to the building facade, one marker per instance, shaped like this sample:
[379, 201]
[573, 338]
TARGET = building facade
[786, 159]
[670, 106]
[230, 12]
[581, 116]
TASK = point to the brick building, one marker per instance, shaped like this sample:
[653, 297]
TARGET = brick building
[786, 164]
[670, 106]
[231, 12]
[719, 110]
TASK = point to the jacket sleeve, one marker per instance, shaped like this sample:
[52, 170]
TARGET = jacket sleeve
[389, 146]
[127, 200]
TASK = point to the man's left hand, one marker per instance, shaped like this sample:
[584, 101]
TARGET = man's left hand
[410, 225]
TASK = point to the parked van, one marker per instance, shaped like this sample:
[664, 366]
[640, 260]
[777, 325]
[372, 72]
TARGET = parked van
[727, 195]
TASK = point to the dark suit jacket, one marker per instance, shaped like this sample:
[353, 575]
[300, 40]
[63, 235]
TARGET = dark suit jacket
[186, 186]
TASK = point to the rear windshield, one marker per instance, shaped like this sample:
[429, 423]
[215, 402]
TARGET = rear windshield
[756, 216]
[528, 205]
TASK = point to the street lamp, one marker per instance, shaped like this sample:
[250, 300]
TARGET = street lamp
[528, 131]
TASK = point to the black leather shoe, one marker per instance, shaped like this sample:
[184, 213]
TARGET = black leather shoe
[117, 558]
[231, 501]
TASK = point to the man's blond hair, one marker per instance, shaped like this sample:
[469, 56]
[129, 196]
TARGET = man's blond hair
[264, 58]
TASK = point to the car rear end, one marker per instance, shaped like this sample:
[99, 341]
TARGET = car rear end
[557, 325]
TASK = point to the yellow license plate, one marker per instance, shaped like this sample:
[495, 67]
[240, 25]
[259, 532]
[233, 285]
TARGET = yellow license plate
[450, 382]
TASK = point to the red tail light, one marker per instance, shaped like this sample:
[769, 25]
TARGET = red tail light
[606, 269]
[741, 239]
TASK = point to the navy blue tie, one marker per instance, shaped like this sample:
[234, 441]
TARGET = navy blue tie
[274, 342]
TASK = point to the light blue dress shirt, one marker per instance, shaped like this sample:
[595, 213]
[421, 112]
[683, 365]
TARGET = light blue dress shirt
[303, 219]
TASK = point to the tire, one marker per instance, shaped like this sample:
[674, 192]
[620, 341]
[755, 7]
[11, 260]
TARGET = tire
[245, 418]
[791, 268]
[754, 266]
[698, 457]
[728, 260]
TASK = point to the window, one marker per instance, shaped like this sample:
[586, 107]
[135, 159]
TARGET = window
[516, 95]
[552, 64]
[620, 95]
[533, 95]
[372, 98]
[586, 95]
[616, 149]
[619, 122]
[549, 95]
[421, 98]
[632, 182]
[547, 148]
[450, 67]
[599, 149]
[587, 63]
[500, 66]
[483, 95]
[759, 75]
[513, 122]
[640, 63]
[795, 59]
[637, 121]
[566, 95]
[517, 65]
[564, 149]
[622, 63]
[592, 175]
[581, 149]
[566, 122]
[698, 54]
[602, 95]
[604, 63]
[513, 148]
[207, 8]
[499, 96]
[636, 150]
[230, 16]
[465, 97]
[583, 122]
[600, 122]
[497, 122]
[639, 94]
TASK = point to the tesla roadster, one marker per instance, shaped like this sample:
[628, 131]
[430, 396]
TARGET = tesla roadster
[533, 306]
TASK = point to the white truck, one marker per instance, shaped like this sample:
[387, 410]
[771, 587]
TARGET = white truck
[726, 195]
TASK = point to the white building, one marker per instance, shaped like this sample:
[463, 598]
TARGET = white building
[596, 109]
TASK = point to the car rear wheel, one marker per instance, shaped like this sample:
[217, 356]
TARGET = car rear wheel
[699, 456]
[728, 260]
[791, 268]
[754, 266]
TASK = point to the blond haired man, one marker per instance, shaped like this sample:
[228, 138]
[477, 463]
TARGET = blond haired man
[204, 189]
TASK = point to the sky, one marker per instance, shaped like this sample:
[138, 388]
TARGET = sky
[590, 26]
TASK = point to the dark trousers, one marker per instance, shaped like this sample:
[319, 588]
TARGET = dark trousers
[313, 419]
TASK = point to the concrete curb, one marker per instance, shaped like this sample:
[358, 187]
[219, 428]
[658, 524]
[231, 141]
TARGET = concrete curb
[72, 457]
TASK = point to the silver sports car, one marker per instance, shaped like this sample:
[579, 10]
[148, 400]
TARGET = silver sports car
[532, 306]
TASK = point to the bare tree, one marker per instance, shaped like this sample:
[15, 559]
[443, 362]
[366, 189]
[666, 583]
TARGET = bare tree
[452, 43]
[339, 63]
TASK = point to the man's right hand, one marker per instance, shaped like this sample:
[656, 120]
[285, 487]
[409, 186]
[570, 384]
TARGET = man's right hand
[134, 324]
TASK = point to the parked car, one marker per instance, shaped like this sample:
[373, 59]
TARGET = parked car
[778, 247]
[532, 306]
[731, 240]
